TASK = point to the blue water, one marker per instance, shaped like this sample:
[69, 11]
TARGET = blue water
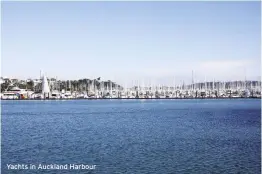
[134, 136]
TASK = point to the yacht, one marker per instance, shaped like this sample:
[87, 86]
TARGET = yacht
[123, 95]
[67, 95]
[15, 93]
[114, 94]
[9, 96]
[45, 88]
[55, 95]
[36, 96]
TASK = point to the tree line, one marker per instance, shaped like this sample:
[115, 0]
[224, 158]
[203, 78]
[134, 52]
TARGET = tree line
[69, 85]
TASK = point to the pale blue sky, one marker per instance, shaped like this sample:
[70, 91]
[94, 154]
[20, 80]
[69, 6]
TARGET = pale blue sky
[131, 40]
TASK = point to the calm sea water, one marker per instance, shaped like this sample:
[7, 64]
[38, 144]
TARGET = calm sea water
[134, 136]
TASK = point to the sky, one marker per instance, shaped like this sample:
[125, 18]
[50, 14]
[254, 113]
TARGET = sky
[132, 42]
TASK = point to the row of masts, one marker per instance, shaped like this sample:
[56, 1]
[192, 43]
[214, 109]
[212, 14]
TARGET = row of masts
[202, 86]
[100, 89]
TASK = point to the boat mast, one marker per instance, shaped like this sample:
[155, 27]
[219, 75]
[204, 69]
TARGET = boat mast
[245, 80]
[205, 83]
[174, 83]
[192, 86]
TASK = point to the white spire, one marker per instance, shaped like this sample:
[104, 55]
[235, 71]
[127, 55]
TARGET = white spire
[45, 86]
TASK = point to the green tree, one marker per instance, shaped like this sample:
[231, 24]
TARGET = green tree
[30, 85]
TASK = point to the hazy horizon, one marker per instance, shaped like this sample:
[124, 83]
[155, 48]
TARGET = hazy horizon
[131, 41]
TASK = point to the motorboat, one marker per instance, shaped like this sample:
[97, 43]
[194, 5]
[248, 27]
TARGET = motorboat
[55, 95]
[9, 96]
[67, 95]
[15, 93]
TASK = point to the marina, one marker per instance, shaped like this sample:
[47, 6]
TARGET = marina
[164, 87]
[96, 89]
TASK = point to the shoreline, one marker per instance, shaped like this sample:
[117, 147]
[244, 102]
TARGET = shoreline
[228, 98]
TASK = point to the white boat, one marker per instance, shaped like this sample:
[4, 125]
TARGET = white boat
[36, 96]
[15, 93]
[114, 94]
[67, 95]
[55, 95]
[9, 96]
[123, 95]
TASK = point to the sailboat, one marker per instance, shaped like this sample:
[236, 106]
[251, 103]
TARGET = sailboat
[45, 88]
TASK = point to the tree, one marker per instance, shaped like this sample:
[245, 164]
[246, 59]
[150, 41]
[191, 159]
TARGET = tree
[4, 86]
[30, 85]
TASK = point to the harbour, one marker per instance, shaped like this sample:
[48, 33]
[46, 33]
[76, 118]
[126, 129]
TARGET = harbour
[46, 89]
[163, 87]
[133, 136]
